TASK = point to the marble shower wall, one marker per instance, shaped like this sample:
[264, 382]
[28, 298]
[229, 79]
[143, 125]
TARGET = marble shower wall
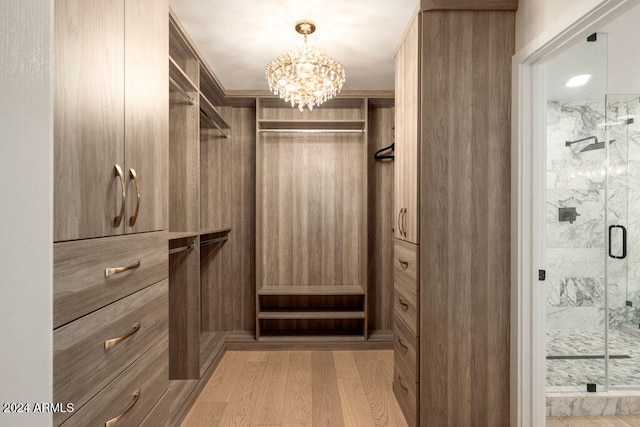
[576, 251]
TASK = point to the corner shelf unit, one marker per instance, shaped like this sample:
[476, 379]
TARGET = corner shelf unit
[311, 221]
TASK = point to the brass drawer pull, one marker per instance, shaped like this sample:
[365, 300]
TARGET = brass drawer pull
[401, 383]
[115, 420]
[403, 303]
[117, 220]
[134, 176]
[399, 227]
[404, 264]
[112, 342]
[108, 272]
[403, 345]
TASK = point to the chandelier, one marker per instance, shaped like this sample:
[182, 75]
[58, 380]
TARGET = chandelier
[304, 75]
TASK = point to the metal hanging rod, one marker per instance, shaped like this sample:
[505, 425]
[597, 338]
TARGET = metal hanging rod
[216, 240]
[311, 130]
[182, 249]
[175, 84]
[226, 135]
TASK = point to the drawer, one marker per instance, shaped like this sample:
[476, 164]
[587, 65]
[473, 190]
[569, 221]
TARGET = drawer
[149, 376]
[81, 364]
[159, 415]
[80, 285]
[405, 346]
[406, 392]
[405, 304]
[405, 262]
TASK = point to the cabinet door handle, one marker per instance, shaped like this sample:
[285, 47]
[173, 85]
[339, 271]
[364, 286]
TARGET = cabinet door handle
[403, 345]
[404, 305]
[404, 222]
[134, 176]
[113, 421]
[401, 383]
[404, 264]
[399, 227]
[108, 272]
[112, 342]
[117, 220]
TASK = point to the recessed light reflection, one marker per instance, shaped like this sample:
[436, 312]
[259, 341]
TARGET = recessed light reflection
[576, 81]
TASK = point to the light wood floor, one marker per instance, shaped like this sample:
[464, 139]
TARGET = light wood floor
[633, 421]
[299, 388]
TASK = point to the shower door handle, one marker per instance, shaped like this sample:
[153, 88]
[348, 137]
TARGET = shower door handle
[624, 242]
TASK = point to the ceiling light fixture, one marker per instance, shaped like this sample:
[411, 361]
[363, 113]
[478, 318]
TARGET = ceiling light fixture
[304, 75]
[580, 80]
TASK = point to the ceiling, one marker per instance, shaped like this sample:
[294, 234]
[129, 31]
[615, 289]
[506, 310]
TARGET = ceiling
[238, 38]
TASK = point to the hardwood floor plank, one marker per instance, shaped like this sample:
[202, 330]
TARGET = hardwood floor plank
[298, 401]
[355, 408]
[243, 400]
[270, 401]
[345, 364]
[221, 386]
[205, 414]
[326, 407]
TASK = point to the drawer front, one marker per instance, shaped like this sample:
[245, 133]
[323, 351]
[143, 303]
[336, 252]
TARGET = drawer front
[149, 376]
[406, 391]
[80, 285]
[405, 346]
[159, 415]
[82, 366]
[405, 304]
[405, 261]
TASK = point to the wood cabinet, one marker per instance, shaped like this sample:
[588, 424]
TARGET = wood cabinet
[110, 118]
[452, 204]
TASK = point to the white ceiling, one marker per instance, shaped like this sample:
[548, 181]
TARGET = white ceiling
[238, 37]
[613, 62]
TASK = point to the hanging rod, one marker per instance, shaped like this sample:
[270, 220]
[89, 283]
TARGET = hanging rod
[312, 130]
[216, 240]
[175, 84]
[182, 249]
[226, 135]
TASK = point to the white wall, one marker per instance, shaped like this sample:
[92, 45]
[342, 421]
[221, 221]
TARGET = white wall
[624, 53]
[26, 172]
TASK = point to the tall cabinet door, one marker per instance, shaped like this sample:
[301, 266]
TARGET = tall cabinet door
[88, 118]
[406, 200]
[146, 114]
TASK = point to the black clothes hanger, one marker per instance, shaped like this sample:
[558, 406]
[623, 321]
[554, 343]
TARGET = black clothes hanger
[379, 156]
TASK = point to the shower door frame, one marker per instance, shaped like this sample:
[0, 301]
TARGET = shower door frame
[528, 199]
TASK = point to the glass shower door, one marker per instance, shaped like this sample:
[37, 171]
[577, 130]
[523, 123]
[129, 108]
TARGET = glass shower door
[623, 240]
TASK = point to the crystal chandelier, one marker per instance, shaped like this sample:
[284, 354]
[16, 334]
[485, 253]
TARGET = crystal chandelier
[304, 75]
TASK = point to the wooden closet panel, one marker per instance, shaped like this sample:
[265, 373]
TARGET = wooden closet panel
[218, 285]
[215, 180]
[380, 221]
[465, 231]
[184, 167]
[147, 112]
[88, 117]
[243, 218]
[312, 200]
[406, 169]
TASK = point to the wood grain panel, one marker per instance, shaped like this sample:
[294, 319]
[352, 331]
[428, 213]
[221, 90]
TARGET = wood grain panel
[407, 391]
[88, 117]
[159, 415]
[407, 152]
[464, 222]
[82, 366]
[243, 217]
[468, 5]
[79, 282]
[405, 346]
[380, 221]
[405, 262]
[217, 289]
[149, 374]
[184, 311]
[184, 163]
[406, 306]
[216, 170]
[146, 110]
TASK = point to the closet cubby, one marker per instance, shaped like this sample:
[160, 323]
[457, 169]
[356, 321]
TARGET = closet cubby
[311, 221]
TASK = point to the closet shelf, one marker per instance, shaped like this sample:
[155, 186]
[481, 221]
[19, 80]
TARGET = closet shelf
[310, 337]
[180, 77]
[212, 119]
[317, 314]
[315, 126]
[311, 290]
[175, 235]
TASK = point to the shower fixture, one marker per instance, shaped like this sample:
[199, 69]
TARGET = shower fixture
[596, 145]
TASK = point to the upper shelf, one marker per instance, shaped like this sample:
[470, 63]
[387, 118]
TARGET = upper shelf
[213, 119]
[311, 290]
[339, 126]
